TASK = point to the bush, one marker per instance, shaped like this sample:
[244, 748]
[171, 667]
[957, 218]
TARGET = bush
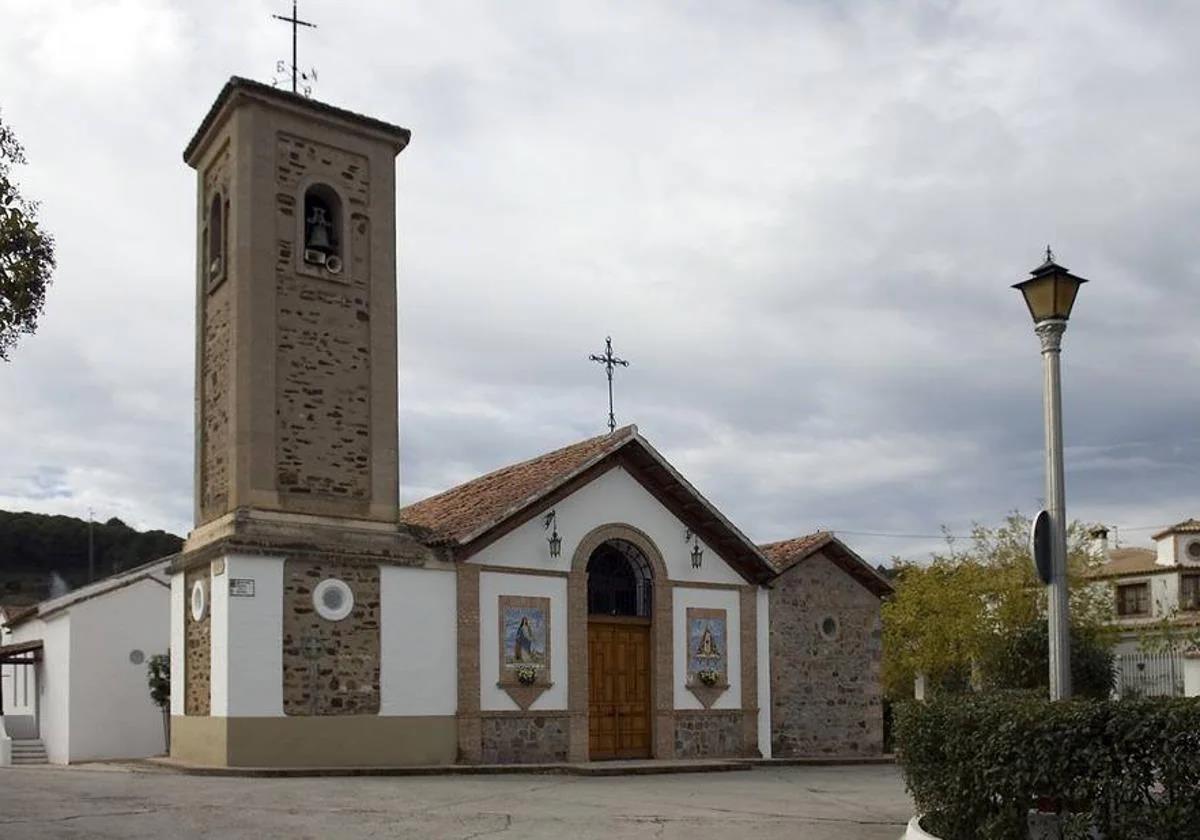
[976, 765]
[1023, 661]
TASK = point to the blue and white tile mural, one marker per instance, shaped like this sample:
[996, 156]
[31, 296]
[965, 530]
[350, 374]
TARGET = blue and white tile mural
[525, 634]
[707, 646]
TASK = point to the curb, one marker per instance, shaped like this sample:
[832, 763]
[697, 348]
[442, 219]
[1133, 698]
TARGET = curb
[596, 769]
[159, 765]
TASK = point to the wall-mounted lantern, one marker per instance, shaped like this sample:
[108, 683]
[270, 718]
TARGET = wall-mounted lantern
[550, 520]
[697, 551]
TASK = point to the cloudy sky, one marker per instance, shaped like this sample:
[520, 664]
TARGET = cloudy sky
[799, 220]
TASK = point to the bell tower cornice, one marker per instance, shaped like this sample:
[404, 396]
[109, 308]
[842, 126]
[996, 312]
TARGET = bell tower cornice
[238, 91]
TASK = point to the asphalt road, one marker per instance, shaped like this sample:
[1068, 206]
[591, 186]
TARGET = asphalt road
[798, 803]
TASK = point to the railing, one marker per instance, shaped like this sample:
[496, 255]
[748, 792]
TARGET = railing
[1148, 675]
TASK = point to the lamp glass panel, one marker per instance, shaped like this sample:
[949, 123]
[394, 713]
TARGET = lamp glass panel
[1067, 287]
[1039, 295]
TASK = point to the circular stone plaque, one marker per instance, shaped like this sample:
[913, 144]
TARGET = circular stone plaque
[333, 599]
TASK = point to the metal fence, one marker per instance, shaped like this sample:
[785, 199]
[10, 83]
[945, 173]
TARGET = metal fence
[1148, 675]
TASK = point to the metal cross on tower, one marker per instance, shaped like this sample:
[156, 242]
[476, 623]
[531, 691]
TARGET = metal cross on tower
[295, 21]
[609, 361]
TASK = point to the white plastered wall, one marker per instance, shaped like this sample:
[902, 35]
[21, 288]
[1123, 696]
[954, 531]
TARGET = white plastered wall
[418, 642]
[1164, 592]
[491, 586]
[762, 650]
[615, 497]
[53, 682]
[720, 599]
[247, 672]
[112, 715]
[178, 599]
[1165, 550]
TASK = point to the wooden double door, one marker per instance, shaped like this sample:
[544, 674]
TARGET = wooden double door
[619, 688]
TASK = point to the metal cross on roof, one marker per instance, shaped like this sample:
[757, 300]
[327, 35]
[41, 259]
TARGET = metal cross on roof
[295, 21]
[609, 361]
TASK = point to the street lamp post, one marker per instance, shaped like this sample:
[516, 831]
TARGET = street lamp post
[1050, 293]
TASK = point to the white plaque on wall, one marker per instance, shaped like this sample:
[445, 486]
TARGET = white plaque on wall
[241, 587]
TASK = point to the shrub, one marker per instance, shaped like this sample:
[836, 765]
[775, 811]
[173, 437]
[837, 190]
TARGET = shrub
[158, 676]
[1022, 661]
[976, 765]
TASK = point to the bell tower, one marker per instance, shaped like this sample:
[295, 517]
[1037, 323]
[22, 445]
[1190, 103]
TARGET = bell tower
[295, 309]
[278, 595]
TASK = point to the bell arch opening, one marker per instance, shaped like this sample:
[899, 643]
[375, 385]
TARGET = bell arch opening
[323, 227]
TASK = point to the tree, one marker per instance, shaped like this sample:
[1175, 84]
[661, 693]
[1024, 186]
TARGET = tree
[1020, 661]
[1170, 634]
[158, 676]
[26, 252]
[971, 611]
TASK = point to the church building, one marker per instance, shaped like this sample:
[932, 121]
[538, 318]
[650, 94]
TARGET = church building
[586, 604]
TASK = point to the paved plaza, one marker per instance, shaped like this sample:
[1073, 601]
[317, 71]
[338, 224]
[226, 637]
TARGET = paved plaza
[798, 803]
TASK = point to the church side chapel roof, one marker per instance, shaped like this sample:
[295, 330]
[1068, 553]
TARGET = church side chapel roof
[154, 570]
[787, 554]
[472, 515]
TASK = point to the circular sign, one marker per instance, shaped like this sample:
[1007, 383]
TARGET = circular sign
[1039, 546]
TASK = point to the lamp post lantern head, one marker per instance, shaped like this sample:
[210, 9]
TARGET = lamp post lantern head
[1050, 291]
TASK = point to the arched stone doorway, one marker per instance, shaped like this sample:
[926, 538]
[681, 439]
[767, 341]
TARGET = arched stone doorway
[620, 640]
[620, 611]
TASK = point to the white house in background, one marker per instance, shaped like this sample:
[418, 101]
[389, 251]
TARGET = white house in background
[1153, 588]
[1150, 584]
[74, 668]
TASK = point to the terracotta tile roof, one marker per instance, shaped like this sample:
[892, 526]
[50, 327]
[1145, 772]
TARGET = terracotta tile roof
[462, 512]
[1128, 561]
[1187, 526]
[786, 554]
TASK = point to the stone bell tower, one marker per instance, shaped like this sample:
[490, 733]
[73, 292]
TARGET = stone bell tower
[278, 595]
[295, 308]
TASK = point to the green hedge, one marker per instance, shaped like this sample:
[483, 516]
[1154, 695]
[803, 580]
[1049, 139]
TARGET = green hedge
[976, 765]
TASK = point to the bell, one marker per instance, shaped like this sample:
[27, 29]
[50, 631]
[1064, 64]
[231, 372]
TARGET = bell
[319, 236]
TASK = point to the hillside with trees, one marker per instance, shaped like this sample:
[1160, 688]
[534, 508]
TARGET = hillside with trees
[39, 553]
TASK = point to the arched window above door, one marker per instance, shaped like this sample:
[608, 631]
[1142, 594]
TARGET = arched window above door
[619, 580]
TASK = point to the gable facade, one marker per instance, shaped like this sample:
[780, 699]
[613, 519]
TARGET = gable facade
[553, 725]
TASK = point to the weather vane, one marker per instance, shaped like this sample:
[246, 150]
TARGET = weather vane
[609, 361]
[281, 66]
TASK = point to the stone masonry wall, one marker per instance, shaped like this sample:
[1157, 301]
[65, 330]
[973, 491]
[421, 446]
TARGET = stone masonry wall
[708, 734]
[197, 647]
[215, 358]
[343, 676]
[214, 421]
[323, 397]
[521, 739]
[825, 692]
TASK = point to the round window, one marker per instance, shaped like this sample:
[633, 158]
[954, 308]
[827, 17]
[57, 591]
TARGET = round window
[1193, 549]
[199, 601]
[829, 627]
[333, 599]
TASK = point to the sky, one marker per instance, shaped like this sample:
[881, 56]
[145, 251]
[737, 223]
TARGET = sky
[798, 220]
